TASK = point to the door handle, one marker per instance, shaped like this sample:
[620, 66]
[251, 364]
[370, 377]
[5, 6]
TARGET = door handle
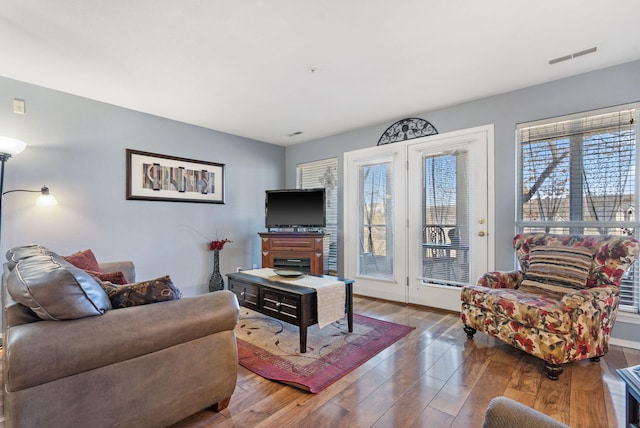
[481, 233]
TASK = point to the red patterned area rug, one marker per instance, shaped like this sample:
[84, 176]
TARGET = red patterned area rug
[271, 348]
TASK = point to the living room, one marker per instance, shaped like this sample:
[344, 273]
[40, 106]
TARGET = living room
[77, 147]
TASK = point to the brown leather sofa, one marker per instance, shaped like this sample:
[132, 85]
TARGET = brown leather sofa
[143, 366]
[504, 412]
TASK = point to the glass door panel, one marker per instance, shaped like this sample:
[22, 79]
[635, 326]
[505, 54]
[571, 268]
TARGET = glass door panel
[376, 220]
[445, 231]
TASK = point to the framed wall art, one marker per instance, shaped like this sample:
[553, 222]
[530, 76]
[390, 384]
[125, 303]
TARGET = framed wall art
[155, 177]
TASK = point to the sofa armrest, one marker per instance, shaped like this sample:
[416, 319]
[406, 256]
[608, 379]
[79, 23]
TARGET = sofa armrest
[125, 267]
[595, 309]
[511, 279]
[88, 343]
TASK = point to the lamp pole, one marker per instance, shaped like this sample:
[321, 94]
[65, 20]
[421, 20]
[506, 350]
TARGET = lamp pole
[4, 157]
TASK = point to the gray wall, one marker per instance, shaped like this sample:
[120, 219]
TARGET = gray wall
[602, 88]
[77, 147]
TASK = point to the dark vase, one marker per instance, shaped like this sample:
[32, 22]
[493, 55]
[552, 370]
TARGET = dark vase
[216, 281]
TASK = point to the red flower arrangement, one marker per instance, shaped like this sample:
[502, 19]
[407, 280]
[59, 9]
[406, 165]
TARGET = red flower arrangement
[218, 245]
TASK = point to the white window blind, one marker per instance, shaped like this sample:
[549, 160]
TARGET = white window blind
[324, 173]
[577, 174]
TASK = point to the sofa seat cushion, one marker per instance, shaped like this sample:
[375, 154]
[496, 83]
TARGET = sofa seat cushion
[542, 309]
[86, 344]
[55, 289]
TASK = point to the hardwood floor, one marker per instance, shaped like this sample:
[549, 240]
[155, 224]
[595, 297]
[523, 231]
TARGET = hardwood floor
[434, 377]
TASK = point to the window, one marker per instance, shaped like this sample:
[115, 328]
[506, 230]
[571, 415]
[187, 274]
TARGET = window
[324, 173]
[577, 174]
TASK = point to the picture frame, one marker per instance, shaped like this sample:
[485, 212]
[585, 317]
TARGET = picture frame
[157, 177]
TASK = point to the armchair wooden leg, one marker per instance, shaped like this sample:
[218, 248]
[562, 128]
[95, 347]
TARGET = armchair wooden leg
[470, 331]
[221, 405]
[553, 370]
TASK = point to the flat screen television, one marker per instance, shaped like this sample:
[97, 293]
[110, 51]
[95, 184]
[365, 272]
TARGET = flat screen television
[294, 208]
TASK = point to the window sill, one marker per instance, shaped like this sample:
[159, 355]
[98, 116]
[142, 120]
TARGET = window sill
[628, 317]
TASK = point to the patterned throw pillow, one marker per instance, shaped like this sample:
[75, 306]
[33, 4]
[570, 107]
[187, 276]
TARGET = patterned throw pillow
[558, 269]
[141, 293]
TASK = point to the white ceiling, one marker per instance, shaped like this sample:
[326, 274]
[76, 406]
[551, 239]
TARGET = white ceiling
[244, 66]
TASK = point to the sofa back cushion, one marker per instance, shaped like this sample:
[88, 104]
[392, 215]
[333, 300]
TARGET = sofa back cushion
[56, 290]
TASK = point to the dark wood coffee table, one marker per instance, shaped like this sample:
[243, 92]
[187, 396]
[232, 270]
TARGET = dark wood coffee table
[291, 303]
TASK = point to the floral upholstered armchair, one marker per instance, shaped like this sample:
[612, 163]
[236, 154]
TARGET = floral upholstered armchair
[561, 305]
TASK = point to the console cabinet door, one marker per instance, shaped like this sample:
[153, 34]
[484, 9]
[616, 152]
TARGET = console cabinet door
[247, 294]
[281, 305]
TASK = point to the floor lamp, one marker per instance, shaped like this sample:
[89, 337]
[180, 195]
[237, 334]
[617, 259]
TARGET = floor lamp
[11, 147]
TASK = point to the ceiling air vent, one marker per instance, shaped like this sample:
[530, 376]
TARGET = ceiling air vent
[573, 55]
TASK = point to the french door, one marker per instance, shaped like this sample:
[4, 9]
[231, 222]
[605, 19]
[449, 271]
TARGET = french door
[375, 219]
[417, 219]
